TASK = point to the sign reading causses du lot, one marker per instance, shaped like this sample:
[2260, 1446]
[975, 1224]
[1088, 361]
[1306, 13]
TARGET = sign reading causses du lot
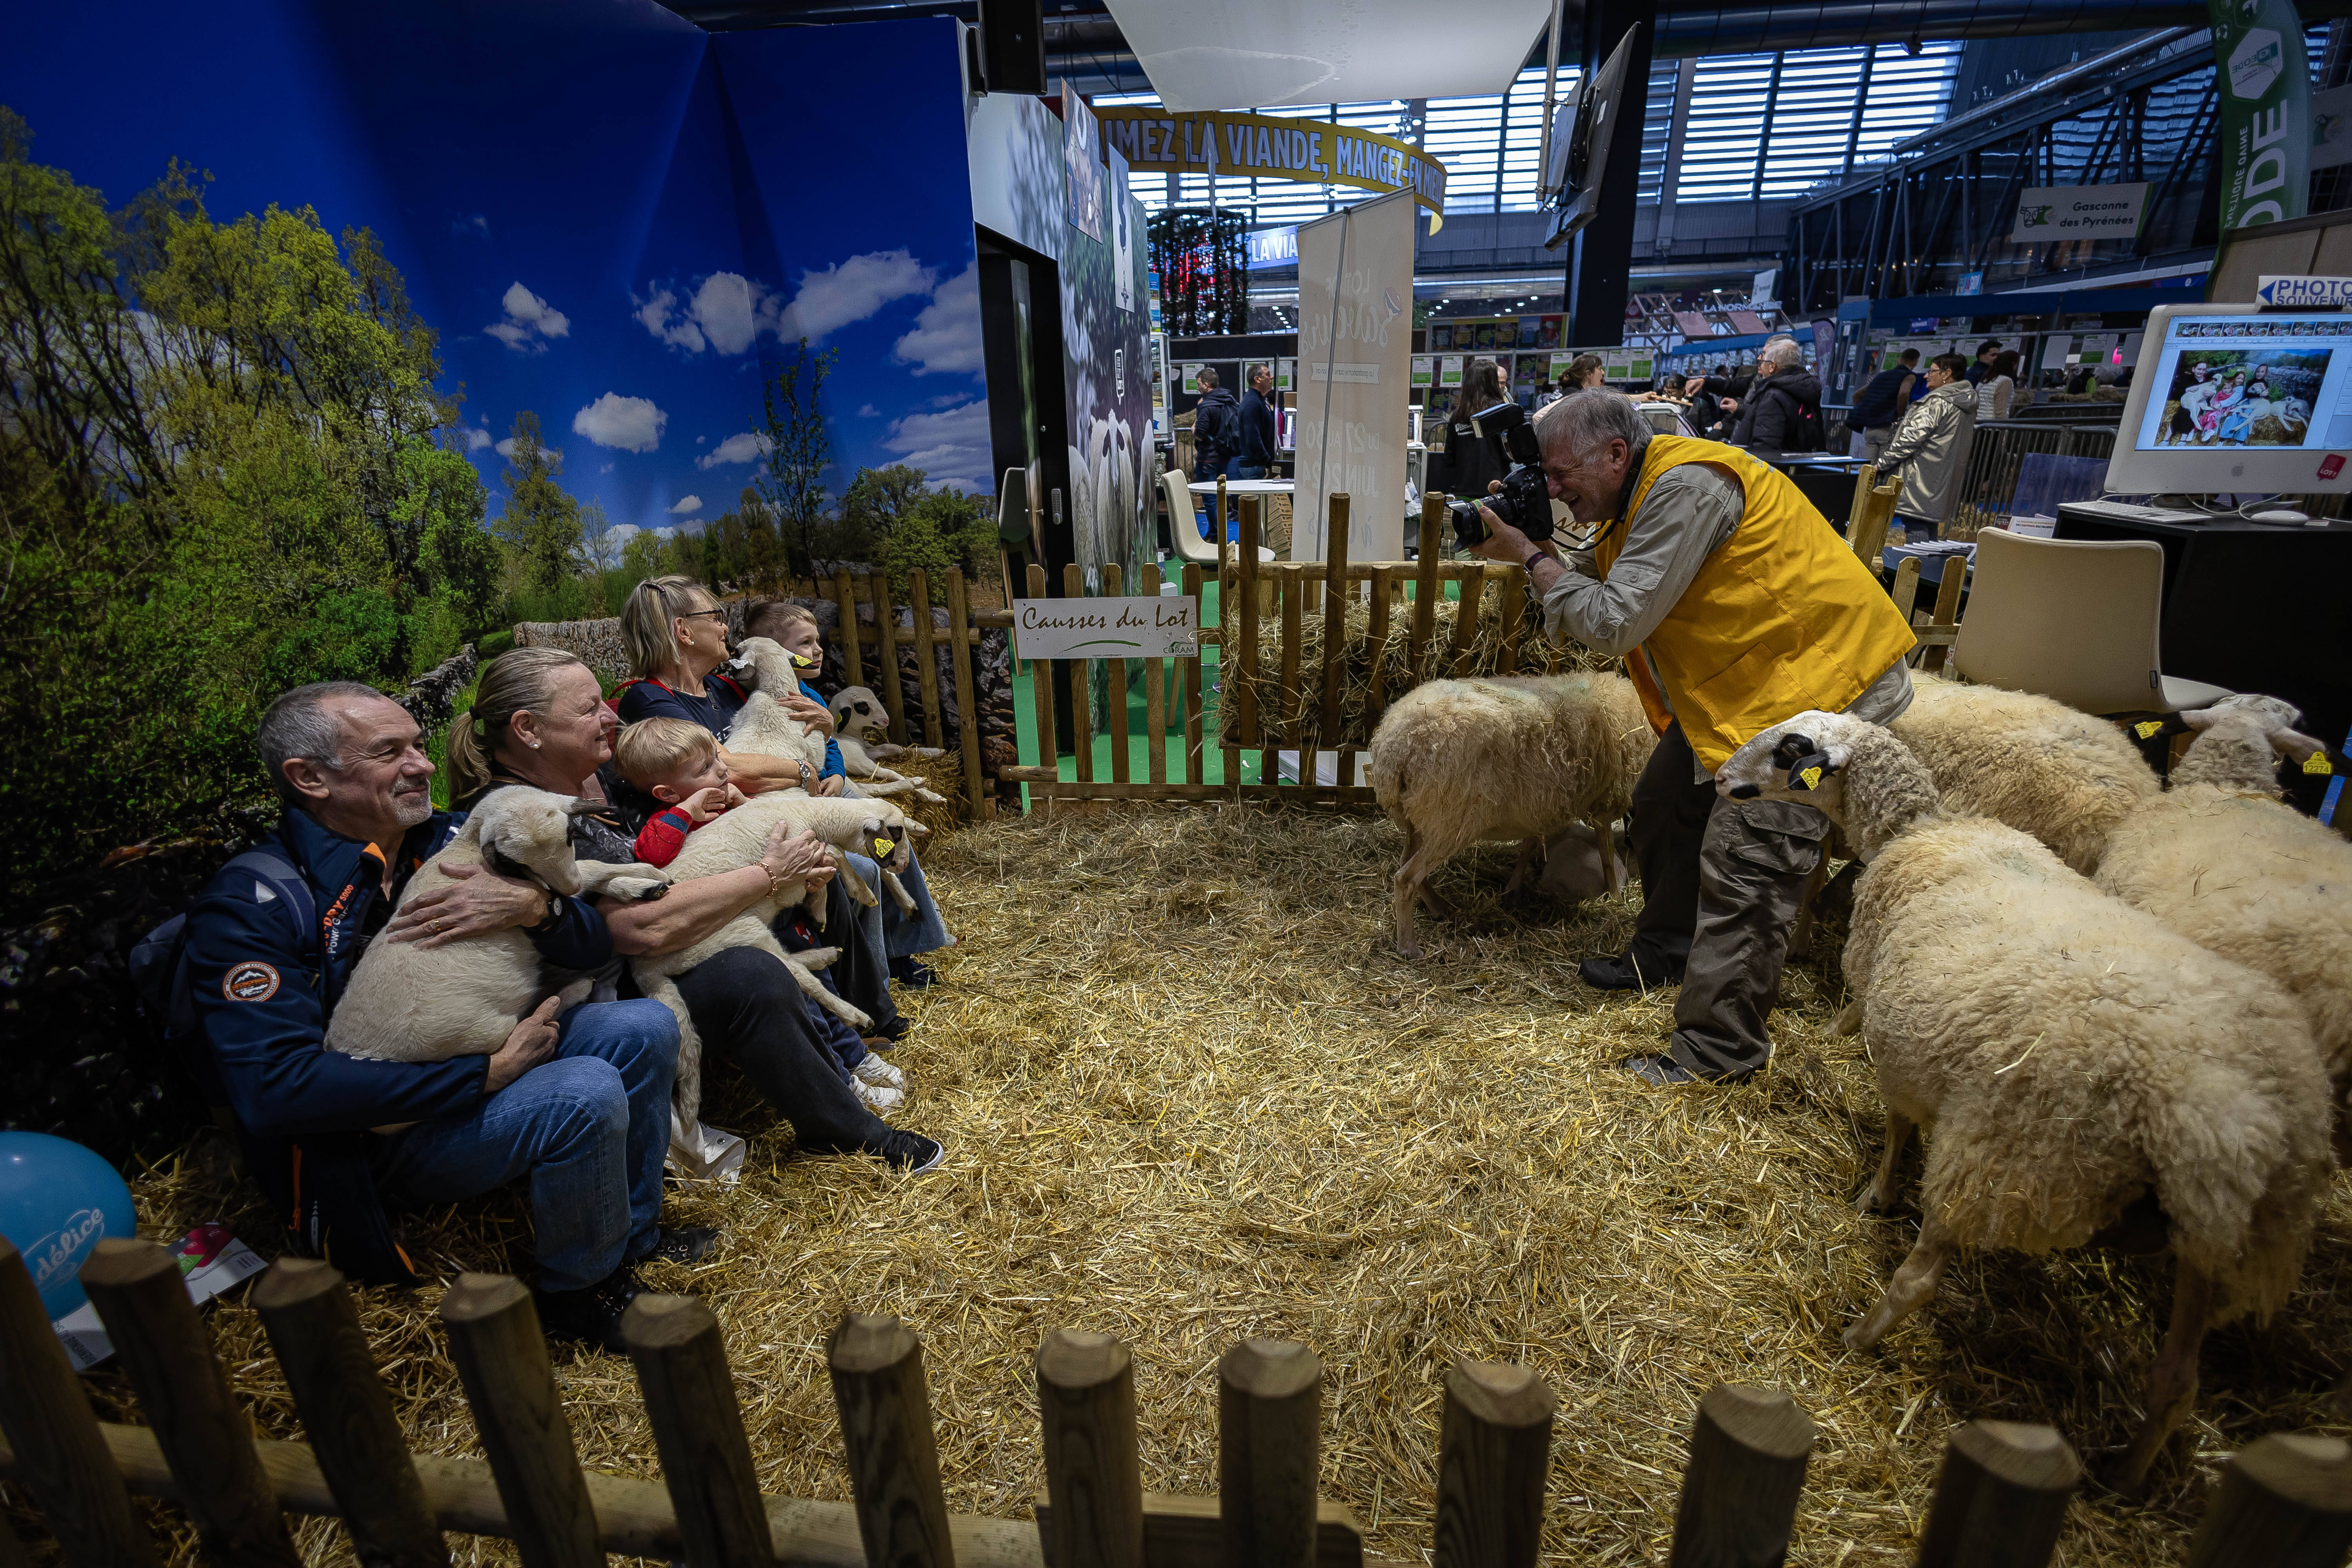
[2080, 212]
[1163, 627]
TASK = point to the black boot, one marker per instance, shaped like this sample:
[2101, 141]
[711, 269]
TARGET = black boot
[591, 1316]
[1628, 970]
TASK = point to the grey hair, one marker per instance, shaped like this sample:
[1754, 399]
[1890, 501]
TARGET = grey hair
[1780, 351]
[1582, 422]
[297, 725]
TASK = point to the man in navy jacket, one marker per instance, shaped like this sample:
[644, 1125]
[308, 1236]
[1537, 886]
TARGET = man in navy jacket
[579, 1104]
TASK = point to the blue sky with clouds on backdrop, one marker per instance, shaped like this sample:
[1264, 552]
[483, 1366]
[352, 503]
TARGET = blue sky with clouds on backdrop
[612, 218]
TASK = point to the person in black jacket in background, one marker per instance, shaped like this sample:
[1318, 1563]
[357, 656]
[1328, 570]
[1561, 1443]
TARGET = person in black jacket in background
[1473, 457]
[1880, 405]
[1215, 442]
[1255, 458]
[1783, 410]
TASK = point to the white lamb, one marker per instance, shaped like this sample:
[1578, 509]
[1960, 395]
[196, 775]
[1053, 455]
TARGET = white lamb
[761, 726]
[861, 728]
[1453, 762]
[2064, 776]
[411, 1004]
[2223, 861]
[2077, 1060]
[736, 839]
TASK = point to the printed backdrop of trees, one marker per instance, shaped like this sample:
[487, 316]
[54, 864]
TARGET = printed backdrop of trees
[228, 466]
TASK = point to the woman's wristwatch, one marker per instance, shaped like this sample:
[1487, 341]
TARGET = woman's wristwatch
[554, 915]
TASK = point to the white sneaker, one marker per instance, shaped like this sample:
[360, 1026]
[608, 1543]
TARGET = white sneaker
[878, 1097]
[873, 1070]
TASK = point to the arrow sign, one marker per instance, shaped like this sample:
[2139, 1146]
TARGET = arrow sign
[2290, 289]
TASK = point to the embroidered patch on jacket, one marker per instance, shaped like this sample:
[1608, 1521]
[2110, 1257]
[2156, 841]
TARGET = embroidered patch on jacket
[251, 980]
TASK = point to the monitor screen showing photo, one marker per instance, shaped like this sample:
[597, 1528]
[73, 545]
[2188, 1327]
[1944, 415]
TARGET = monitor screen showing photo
[2249, 382]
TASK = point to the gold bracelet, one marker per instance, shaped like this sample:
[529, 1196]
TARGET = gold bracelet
[775, 888]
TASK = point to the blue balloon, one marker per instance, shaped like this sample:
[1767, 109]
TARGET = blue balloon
[57, 1201]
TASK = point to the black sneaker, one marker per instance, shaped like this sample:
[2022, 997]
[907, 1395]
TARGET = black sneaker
[592, 1316]
[906, 971]
[1662, 1071]
[911, 1153]
[1626, 971]
[683, 1244]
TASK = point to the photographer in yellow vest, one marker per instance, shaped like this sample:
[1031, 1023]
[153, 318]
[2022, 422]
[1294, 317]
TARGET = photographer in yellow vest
[1711, 569]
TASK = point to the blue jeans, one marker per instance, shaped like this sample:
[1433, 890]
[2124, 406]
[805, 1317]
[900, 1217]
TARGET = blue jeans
[905, 935]
[1248, 470]
[589, 1127]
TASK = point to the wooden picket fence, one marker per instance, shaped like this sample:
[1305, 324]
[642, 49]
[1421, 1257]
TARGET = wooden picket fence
[2001, 1498]
[965, 623]
[1256, 599]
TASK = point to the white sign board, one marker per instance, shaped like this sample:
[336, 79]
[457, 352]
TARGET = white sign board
[2288, 290]
[1167, 626]
[2080, 212]
[1355, 347]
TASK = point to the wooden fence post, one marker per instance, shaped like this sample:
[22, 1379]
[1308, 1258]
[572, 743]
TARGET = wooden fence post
[853, 659]
[205, 1437]
[967, 688]
[1466, 621]
[1238, 658]
[62, 1457]
[886, 654]
[1082, 686]
[876, 1365]
[1155, 691]
[1494, 1449]
[501, 1356]
[2284, 1501]
[1376, 643]
[1338, 594]
[1114, 586]
[1947, 609]
[1040, 689]
[1269, 1393]
[927, 679]
[1748, 1447]
[1086, 1404]
[699, 1428]
[315, 1332]
[1427, 587]
[1291, 715]
[2000, 1497]
[1188, 671]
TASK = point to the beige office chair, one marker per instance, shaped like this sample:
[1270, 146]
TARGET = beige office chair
[1184, 525]
[2075, 620]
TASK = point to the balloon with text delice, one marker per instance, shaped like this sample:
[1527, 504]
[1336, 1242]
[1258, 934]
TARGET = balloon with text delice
[58, 1199]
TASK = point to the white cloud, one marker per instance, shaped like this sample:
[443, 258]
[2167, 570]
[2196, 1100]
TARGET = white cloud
[624, 531]
[743, 446]
[951, 447]
[832, 298]
[868, 411]
[529, 321]
[476, 437]
[627, 423]
[505, 449]
[686, 506]
[946, 339]
[728, 313]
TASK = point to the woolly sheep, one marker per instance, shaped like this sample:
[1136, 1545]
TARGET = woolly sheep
[761, 726]
[2043, 768]
[2223, 861]
[861, 728]
[2075, 1058]
[736, 839]
[1453, 762]
[411, 1004]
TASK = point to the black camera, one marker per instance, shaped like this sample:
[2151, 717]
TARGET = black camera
[1526, 500]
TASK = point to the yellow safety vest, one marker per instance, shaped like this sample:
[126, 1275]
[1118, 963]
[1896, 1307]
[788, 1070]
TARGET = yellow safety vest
[1781, 618]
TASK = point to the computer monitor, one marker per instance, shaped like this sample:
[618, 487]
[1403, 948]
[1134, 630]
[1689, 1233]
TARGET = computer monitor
[2237, 399]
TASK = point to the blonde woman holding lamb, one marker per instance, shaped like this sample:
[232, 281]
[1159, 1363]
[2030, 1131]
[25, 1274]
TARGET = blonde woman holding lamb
[540, 720]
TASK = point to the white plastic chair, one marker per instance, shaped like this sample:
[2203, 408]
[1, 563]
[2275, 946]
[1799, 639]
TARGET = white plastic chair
[2074, 619]
[1184, 525]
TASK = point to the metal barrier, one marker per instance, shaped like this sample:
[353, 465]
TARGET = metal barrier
[1996, 450]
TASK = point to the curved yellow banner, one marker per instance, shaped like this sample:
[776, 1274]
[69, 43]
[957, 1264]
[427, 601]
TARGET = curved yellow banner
[1269, 147]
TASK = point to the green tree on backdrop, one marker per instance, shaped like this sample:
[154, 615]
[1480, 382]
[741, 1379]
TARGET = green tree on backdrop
[542, 520]
[893, 521]
[220, 475]
[800, 449]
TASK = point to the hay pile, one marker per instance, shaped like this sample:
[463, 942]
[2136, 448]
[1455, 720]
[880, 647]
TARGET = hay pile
[1190, 1094]
[1538, 655]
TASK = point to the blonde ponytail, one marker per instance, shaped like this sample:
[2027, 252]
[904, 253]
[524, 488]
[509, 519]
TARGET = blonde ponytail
[520, 680]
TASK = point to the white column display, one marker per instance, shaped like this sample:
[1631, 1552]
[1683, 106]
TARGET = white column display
[1355, 353]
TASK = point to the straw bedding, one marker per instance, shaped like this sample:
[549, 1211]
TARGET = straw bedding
[1358, 658]
[1190, 1094]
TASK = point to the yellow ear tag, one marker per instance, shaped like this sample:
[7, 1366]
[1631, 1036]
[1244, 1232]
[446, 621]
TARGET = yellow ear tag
[1813, 777]
[2318, 762]
[884, 849]
[801, 661]
[2147, 727]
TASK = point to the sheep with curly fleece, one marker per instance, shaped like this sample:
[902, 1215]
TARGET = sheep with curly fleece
[406, 1002]
[2222, 860]
[2076, 1060]
[1453, 762]
[2064, 776]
